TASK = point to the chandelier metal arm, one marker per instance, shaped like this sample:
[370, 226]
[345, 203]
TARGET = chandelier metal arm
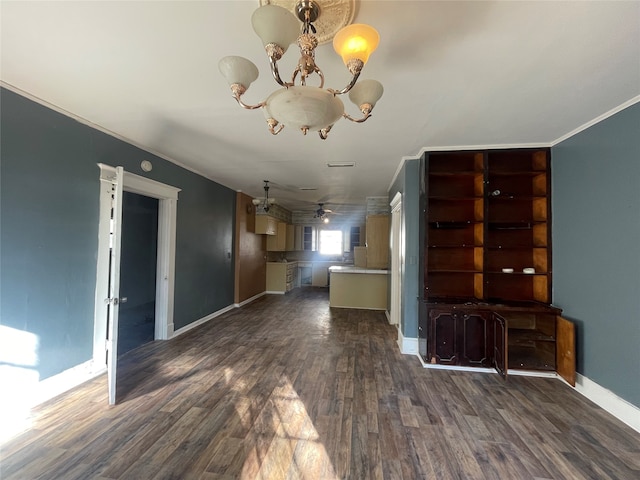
[303, 76]
[366, 111]
[237, 90]
[275, 52]
[276, 74]
[346, 89]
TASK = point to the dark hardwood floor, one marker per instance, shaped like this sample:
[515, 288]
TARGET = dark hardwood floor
[287, 388]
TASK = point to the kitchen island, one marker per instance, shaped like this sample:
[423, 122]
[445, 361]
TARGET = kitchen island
[357, 287]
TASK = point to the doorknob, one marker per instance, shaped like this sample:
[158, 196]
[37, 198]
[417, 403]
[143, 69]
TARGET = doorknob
[116, 300]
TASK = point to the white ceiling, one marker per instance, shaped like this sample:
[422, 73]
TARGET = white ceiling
[456, 74]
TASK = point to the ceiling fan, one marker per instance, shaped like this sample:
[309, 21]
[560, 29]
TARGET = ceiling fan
[321, 212]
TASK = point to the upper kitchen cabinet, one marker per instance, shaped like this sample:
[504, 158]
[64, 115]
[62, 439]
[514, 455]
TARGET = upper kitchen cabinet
[377, 241]
[278, 242]
[290, 244]
[266, 225]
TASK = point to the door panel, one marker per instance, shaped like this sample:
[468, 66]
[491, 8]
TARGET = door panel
[500, 342]
[443, 338]
[476, 344]
[565, 350]
[114, 286]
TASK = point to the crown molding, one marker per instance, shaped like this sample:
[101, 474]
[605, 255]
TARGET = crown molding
[596, 120]
[106, 131]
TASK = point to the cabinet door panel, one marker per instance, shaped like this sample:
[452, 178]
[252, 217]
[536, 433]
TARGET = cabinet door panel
[500, 342]
[565, 350]
[442, 338]
[476, 340]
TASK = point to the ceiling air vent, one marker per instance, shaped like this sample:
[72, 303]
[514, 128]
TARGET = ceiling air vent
[341, 164]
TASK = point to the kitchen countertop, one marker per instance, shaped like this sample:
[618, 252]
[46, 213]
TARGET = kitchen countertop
[352, 269]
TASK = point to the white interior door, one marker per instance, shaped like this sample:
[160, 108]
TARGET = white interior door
[114, 284]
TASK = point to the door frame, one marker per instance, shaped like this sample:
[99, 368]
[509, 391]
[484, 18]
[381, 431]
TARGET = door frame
[397, 265]
[167, 196]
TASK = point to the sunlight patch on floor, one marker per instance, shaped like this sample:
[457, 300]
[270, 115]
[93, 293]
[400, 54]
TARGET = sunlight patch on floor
[284, 442]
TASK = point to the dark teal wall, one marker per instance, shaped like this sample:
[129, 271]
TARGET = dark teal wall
[596, 248]
[49, 230]
[407, 183]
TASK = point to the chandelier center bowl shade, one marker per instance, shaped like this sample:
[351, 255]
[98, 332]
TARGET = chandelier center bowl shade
[300, 107]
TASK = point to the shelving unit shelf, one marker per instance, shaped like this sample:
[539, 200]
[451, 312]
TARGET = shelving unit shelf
[487, 257]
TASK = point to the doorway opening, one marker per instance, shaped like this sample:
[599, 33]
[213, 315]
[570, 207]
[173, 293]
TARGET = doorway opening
[138, 269]
[167, 197]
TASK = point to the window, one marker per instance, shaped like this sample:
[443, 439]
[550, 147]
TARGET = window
[331, 242]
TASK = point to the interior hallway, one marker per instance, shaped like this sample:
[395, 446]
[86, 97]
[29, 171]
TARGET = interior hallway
[287, 388]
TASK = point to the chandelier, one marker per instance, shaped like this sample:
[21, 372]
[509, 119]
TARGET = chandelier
[266, 202]
[300, 105]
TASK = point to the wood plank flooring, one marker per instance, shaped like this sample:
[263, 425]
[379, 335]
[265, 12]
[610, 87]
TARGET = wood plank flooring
[287, 388]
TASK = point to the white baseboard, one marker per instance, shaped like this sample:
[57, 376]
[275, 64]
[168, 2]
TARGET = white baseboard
[192, 325]
[407, 345]
[27, 392]
[609, 401]
[249, 300]
[274, 292]
[66, 380]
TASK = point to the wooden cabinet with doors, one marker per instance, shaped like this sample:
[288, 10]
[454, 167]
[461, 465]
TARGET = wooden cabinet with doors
[282, 277]
[290, 243]
[266, 225]
[499, 336]
[278, 242]
[486, 270]
[377, 238]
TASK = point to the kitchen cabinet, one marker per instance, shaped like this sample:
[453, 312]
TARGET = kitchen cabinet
[266, 225]
[377, 241]
[282, 277]
[297, 238]
[309, 238]
[320, 274]
[278, 242]
[353, 287]
[290, 240]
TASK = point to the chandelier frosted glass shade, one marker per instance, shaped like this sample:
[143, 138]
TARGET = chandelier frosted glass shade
[356, 41]
[274, 24]
[238, 70]
[304, 107]
[366, 92]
